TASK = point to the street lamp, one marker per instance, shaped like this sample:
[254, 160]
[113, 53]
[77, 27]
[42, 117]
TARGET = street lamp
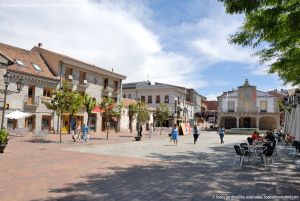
[7, 79]
[139, 134]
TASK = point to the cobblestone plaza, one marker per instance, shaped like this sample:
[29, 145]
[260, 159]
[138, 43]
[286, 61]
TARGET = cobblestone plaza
[153, 169]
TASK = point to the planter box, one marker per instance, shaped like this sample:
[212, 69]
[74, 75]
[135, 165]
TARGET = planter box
[2, 147]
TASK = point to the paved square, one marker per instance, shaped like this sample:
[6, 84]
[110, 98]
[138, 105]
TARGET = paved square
[153, 169]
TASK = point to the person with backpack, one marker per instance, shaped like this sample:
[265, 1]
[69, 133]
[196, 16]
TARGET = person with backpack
[196, 133]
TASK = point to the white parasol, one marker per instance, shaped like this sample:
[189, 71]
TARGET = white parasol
[17, 115]
[295, 130]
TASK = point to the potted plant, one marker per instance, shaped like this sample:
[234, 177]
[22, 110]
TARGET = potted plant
[3, 140]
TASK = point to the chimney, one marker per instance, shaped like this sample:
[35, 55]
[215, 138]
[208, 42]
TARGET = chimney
[40, 44]
[112, 70]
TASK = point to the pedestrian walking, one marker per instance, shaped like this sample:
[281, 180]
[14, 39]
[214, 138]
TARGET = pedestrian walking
[84, 132]
[140, 130]
[196, 133]
[77, 131]
[151, 130]
[222, 133]
[73, 128]
[174, 134]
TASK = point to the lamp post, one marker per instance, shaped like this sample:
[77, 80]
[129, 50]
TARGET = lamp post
[7, 79]
[138, 117]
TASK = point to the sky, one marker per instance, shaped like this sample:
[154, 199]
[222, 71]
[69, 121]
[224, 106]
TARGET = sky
[178, 42]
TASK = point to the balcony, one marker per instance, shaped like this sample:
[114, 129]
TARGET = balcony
[31, 101]
[263, 111]
[83, 83]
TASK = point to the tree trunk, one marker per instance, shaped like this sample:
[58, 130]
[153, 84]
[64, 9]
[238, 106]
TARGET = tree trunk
[107, 130]
[88, 123]
[160, 129]
[130, 125]
[61, 120]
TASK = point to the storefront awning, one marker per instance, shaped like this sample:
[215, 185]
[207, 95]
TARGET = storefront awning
[97, 110]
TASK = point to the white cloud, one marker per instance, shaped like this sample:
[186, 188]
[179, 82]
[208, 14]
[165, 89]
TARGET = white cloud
[105, 34]
[212, 39]
[213, 96]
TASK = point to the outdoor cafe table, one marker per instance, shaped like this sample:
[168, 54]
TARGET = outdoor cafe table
[256, 150]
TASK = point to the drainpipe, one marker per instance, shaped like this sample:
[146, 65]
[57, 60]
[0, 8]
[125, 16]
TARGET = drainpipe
[60, 83]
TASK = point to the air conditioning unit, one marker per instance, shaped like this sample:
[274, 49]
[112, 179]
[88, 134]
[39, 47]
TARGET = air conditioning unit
[70, 77]
[85, 82]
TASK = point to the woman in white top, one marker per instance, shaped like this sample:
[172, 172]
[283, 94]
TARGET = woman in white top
[151, 130]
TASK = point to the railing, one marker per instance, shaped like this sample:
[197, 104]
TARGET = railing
[31, 101]
[292, 101]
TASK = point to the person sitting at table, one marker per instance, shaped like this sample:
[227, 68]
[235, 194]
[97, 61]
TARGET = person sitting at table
[255, 136]
[270, 136]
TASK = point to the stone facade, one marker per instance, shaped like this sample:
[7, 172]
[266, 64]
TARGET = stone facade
[247, 107]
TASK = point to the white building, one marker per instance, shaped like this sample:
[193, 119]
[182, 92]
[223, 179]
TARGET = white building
[247, 107]
[181, 101]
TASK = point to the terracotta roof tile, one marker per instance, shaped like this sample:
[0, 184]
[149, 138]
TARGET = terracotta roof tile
[28, 58]
[212, 105]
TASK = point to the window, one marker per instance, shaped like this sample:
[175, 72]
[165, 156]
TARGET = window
[263, 106]
[116, 86]
[166, 99]
[149, 99]
[37, 67]
[82, 77]
[68, 73]
[105, 83]
[230, 106]
[129, 96]
[158, 99]
[31, 95]
[20, 63]
[143, 99]
[124, 95]
[47, 92]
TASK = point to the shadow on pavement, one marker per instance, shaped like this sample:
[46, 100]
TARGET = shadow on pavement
[189, 176]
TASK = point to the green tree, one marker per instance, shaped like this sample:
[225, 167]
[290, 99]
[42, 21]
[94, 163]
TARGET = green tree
[110, 110]
[89, 104]
[75, 104]
[61, 102]
[132, 114]
[162, 114]
[276, 22]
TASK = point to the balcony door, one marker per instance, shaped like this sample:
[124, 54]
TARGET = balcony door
[30, 95]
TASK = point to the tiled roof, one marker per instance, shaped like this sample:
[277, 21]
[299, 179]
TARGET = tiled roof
[27, 58]
[126, 102]
[212, 105]
[37, 49]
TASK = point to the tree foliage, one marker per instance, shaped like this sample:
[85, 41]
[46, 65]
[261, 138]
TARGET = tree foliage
[63, 100]
[276, 22]
[89, 104]
[162, 114]
[132, 113]
[110, 109]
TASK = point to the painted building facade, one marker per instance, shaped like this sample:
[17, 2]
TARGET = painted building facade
[43, 70]
[247, 107]
[182, 102]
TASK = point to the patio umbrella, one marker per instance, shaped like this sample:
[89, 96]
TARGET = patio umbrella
[292, 120]
[17, 115]
[295, 131]
[287, 122]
